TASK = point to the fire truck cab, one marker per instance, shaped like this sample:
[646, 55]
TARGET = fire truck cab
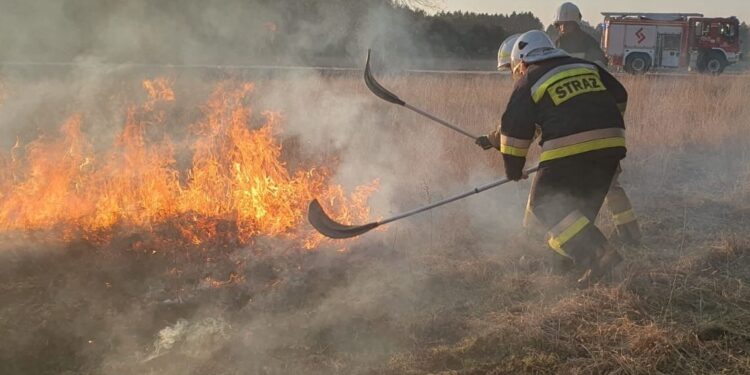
[639, 42]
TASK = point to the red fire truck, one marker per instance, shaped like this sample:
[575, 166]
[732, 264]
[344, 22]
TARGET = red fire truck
[638, 42]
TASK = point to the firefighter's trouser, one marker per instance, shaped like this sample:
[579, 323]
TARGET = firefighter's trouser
[619, 205]
[623, 215]
[566, 197]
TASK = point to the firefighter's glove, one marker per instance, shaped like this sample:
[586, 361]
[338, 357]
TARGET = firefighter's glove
[516, 176]
[514, 168]
[484, 142]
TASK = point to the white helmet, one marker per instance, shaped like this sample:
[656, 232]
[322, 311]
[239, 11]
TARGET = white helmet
[534, 46]
[503, 54]
[568, 12]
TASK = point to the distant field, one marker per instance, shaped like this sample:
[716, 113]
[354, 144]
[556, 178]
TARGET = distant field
[328, 66]
[458, 290]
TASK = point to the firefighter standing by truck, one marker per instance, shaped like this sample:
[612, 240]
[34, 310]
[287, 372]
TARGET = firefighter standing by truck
[573, 39]
[576, 105]
[578, 43]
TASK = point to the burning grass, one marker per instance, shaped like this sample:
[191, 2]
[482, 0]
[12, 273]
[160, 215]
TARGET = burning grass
[455, 291]
[237, 181]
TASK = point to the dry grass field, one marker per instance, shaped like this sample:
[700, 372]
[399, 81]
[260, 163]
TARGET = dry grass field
[458, 290]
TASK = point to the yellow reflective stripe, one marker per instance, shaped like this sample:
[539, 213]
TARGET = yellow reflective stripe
[514, 151]
[586, 136]
[580, 148]
[624, 217]
[565, 223]
[554, 71]
[515, 142]
[562, 252]
[557, 243]
[569, 88]
[542, 89]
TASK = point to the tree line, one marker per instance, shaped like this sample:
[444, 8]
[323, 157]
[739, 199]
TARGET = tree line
[245, 31]
[279, 32]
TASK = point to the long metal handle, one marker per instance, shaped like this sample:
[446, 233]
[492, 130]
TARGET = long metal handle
[452, 199]
[440, 121]
[383, 93]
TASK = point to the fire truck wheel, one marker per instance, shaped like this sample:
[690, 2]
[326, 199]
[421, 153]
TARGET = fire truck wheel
[638, 63]
[715, 63]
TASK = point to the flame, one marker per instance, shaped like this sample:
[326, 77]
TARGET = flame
[236, 187]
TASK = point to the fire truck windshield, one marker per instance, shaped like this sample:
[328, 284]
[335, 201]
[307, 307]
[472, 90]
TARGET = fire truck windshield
[702, 28]
[728, 30]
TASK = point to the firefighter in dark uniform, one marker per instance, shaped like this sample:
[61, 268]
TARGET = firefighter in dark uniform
[577, 106]
[572, 39]
[578, 43]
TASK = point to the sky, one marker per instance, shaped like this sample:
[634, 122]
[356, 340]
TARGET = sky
[591, 9]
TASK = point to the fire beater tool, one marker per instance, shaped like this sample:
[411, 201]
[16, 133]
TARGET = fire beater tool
[390, 97]
[329, 228]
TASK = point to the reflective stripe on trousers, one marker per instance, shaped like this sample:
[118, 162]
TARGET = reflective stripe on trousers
[619, 204]
[566, 230]
[624, 217]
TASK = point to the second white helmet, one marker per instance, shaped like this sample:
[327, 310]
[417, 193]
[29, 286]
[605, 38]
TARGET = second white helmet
[568, 12]
[504, 53]
[534, 46]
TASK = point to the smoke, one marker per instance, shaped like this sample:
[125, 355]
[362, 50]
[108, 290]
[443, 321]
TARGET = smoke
[196, 340]
[424, 282]
[200, 32]
[123, 312]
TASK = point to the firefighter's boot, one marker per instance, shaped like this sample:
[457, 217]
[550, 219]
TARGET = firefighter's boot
[607, 258]
[630, 233]
[583, 258]
[562, 265]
